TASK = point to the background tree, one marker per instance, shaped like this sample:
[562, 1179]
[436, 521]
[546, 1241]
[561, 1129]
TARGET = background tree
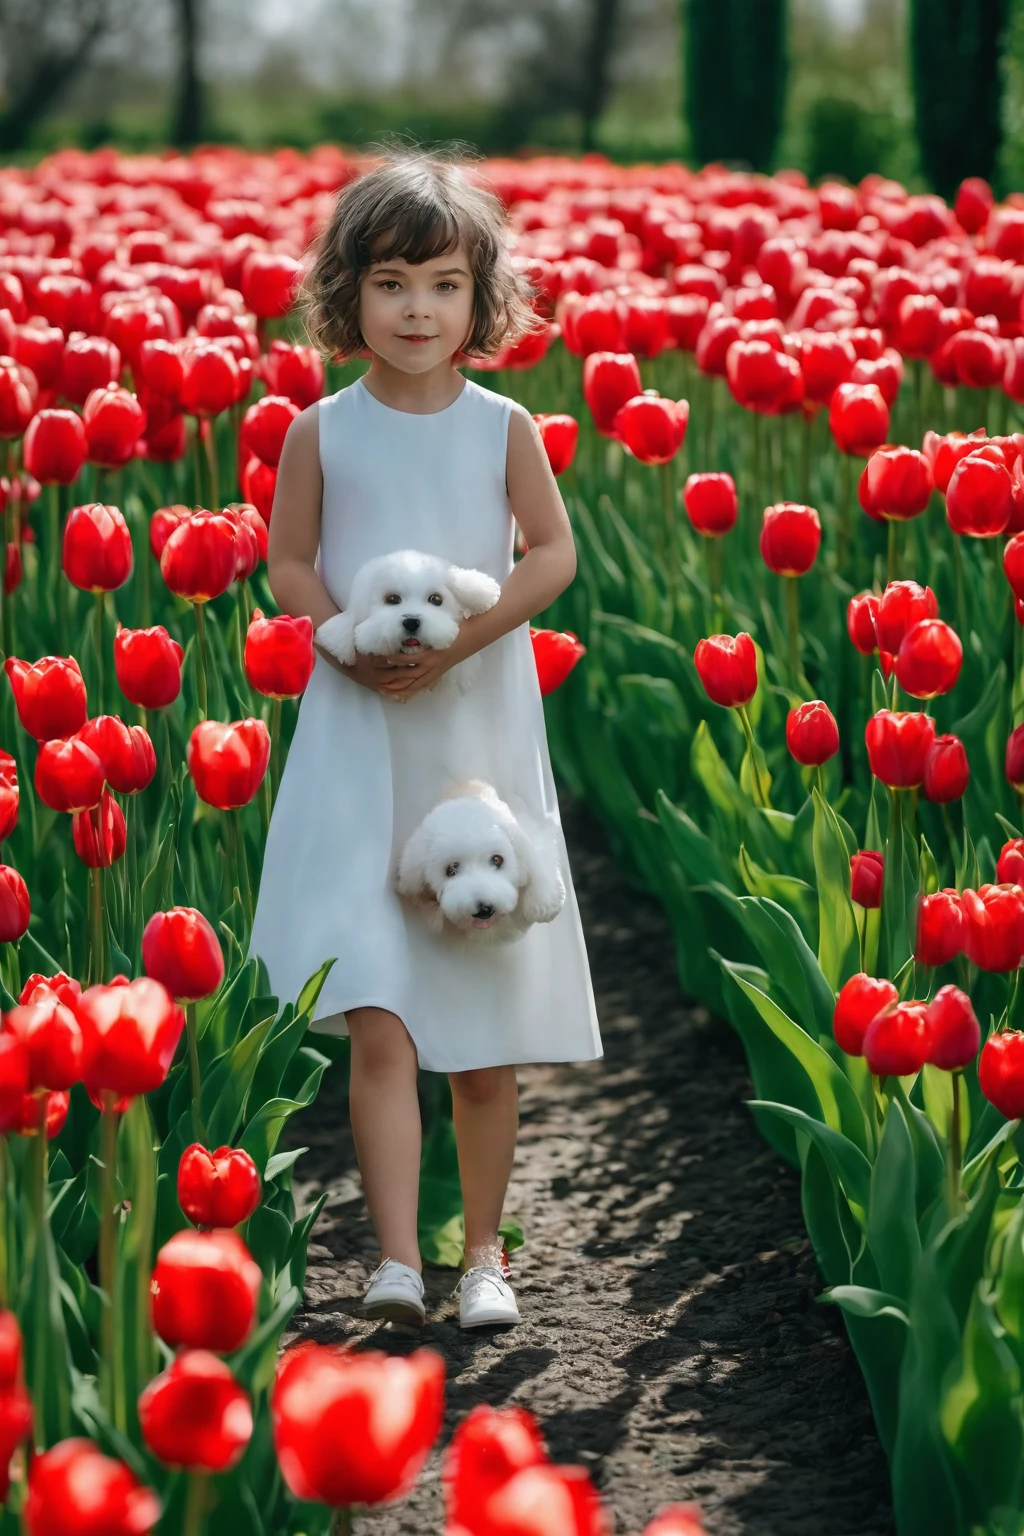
[44, 46]
[735, 69]
[189, 116]
[958, 87]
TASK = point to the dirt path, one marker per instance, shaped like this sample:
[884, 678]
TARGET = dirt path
[670, 1338]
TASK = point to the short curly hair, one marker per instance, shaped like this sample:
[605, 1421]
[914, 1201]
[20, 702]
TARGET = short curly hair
[415, 206]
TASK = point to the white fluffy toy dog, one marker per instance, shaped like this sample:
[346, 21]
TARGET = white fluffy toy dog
[405, 602]
[471, 865]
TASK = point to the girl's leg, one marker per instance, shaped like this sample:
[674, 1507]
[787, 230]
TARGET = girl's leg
[385, 1116]
[485, 1108]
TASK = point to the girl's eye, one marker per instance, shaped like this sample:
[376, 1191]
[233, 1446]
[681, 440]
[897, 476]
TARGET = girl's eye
[452, 869]
[393, 597]
[436, 599]
[497, 860]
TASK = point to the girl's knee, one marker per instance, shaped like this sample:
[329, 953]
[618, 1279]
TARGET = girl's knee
[380, 1041]
[480, 1085]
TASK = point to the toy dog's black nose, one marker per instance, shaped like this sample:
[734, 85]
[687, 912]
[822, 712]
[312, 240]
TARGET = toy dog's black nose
[483, 911]
[410, 623]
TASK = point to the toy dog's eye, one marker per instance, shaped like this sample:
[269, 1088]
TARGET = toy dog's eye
[497, 860]
[392, 597]
[452, 868]
[436, 599]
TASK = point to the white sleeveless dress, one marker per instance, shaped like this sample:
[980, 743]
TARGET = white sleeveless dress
[363, 771]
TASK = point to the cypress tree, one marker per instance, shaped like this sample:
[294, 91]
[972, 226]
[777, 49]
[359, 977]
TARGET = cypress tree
[954, 67]
[735, 70]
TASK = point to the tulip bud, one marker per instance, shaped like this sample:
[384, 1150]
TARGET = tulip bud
[131, 1032]
[940, 923]
[147, 663]
[97, 549]
[994, 926]
[269, 281]
[15, 908]
[53, 1039]
[812, 735]
[858, 418]
[279, 654]
[115, 1500]
[867, 869]
[49, 695]
[205, 1288]
[69, 775]
[181, 949]
[954, 1031]
[99, 835]
[559, 434]
[217, 1189]
[199, 560]
[710, 502]
[652, 429]
[264, 427]
[979, 498]
[860, 622]
[1015, 759]
[114, 421]
[898, 744]
[609, 380]
[929, 659]
[902, 605]
[896, 483]
[946, 770]
[555, 653]
[55, 447]
[727, 667]
[195, 1414]
[790, 538]
[1010, 867]
[763, 378]
[897, 1040]
[1001, 1072]
[858, 1003]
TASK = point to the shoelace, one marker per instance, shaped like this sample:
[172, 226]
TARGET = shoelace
[480, 1273]
[381, 1268]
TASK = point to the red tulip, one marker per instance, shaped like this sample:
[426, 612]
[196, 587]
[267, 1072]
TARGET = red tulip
[125, 752]
[727, 667]
[1010, 866]
[114, 421]
[199, 559]
[978, 359]
[652, 429]
[62, 986]
[979, 498]
[812, 735]
[227, 762]
[790, 538]
[929, 659]
[826, 361]
[269, 280]
[181, 949]
[645, 327]
[53, 1038]
[918, 330]
[40, 1110]
[609, 380]
[259, 483]
[858, 418]
[1013, 564]
[264, 426]
[715, 340]
[163, 523]
[1001, 1072]
[897, 1040]
[994, 927]
[89, 362]
[69, 775]
[15, 908]
[896, 483]
[12, 568]
[147, 663]
[210, 377]
[279, 654]
[489, 1446]
[597, 325]
[860, 622]
[522, 1506]
[953, 1028]
[898, 744]
[861, 999]
[9, 795]
[676, 1520]
[710, 502]
[686, 314]
[49, 695]
[14, 1080]
[217, 1189]
[131, 1032]
[295, 371]
[559, 434]
[556, 653]
[18, 394]
[99, 835]
[974, 202]
[97, 550]
[946, 770]
[205, 1288]
[55, 447]
[762, 378]
[940, 922]
[74, 1490]
[355, 1428]
[195, 1414]
[867, 869]
[1015, 758]
[945, 453]
[902, 605]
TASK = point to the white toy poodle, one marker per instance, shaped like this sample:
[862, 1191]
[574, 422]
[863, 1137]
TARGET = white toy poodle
[472, 865]
[405, 602]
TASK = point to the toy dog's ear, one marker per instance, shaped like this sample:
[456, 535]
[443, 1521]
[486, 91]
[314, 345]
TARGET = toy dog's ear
[474, 591]
[542, 887]
[337, 635]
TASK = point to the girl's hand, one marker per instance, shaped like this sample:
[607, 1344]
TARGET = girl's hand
[368, 671]
[409, 676]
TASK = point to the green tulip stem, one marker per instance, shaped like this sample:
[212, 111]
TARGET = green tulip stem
[108, 1249]
[861, 919]
[961, 597]
[241, 609]
[846, 485]
[211, 459]
[191, 1029]
[805, 458]
[100, 601]
[275, 746]
[891, 554]
[342, 1523]
[39, 1160]
[793, 626]
[709, 422]
[201, 656]
[194, 1520]
[96, 967]
[5, 1282]
[714, 561]
[668, 502]
[52, 566]
[197, 463]
[955, 1148]
[760, 794]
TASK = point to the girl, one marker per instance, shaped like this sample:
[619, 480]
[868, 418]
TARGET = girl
[414, 268]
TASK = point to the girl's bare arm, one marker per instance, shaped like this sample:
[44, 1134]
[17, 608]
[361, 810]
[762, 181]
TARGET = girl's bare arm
[550, 562]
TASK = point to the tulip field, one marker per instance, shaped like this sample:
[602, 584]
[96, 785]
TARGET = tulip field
[789, 677]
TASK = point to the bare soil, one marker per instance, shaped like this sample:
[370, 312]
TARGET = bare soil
[671, 1341]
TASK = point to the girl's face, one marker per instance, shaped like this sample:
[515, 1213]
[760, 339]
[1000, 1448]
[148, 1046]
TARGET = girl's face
[416, 317]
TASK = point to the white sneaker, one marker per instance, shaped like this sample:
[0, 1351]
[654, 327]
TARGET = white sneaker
[485, 1298]
[395, 1292]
